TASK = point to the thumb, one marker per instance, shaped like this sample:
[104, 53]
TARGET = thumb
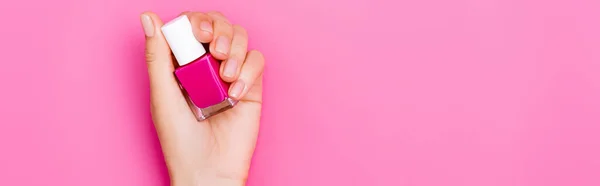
[166, 97]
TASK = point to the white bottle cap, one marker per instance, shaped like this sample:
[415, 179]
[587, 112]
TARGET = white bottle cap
[180, 37]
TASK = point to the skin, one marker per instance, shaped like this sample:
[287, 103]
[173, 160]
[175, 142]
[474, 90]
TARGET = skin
[217, 151]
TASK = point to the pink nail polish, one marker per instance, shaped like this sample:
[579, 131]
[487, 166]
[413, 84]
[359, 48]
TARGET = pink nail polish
[198, 71]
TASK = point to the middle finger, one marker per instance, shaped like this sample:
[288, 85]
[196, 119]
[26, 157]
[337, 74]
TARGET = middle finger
[237, 55]
[223, 32]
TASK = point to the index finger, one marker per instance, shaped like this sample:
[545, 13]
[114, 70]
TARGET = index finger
[202, 26]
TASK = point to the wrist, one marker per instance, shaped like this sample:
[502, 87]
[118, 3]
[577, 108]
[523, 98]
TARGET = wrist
[206, 180]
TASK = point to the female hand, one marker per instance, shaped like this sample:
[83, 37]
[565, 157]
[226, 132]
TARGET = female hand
[216, 151]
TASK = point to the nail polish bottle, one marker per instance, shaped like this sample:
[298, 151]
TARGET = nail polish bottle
[198, 71]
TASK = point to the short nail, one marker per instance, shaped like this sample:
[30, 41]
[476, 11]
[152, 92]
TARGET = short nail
[222, 45]
[206, 26]
[230, 68]
[236, 89]
[147, 25]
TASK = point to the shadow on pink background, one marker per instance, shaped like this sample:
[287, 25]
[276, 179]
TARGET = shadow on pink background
[358, 92]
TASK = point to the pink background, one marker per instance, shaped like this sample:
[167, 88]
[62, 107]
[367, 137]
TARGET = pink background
[358, 92]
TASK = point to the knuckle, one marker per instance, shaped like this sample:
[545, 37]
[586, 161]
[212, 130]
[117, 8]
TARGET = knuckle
[215, 13]
[194, 16]
[217, 16]
[257, 56]
[240, 30]
[150, 56]
[185, 13]
[223, 23]
[238, 50]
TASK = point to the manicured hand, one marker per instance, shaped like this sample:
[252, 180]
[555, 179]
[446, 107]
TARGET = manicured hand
[217, 151]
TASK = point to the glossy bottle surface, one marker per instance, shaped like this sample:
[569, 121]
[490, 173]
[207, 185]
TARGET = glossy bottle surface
[201, 81]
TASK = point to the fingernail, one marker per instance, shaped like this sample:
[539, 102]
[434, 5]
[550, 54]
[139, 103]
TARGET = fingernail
[222, 45]
[206, 26]
[236, 89]
[230, 68]
[147, 25]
